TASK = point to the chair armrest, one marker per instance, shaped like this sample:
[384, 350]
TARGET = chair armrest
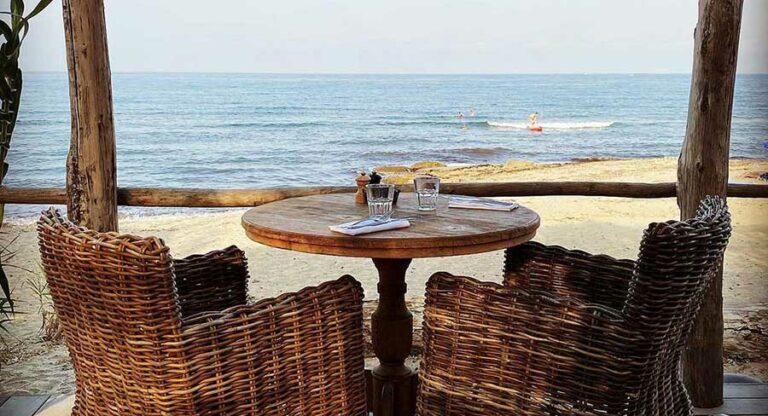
[300, 353]
[598, 279]
[491, 349]
[211, 281]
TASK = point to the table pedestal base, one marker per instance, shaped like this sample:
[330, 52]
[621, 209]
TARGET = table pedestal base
[392, 336]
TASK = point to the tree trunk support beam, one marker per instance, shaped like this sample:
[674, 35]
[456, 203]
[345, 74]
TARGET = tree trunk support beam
[703, 170]
[91, 164]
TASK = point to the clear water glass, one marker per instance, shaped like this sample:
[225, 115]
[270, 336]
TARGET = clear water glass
[427, 189]
[380, 198]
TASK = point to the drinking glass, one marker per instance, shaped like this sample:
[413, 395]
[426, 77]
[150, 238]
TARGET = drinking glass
[427, 188]
[380, 198]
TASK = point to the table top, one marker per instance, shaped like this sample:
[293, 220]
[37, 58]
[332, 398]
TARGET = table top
[301, 224]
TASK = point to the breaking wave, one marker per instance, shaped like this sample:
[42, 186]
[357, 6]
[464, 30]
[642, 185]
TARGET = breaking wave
[564, 125]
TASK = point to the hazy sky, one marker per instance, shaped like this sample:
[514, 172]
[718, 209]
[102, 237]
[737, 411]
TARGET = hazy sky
[398, 36]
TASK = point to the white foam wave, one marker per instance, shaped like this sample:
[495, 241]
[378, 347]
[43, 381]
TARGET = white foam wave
[563, 125]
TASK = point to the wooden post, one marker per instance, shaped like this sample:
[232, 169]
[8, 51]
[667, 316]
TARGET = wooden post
[91, 166]
[703, 170]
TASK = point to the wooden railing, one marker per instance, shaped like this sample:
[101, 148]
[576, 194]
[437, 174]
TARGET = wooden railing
[203, 197]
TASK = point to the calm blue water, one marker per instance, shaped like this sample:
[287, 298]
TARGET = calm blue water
[243, 130]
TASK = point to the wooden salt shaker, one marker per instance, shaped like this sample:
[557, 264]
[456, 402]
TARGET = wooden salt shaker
[362, 180]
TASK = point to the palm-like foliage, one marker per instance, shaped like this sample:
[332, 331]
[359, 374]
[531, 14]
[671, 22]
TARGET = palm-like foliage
[14, 26]
[7, 253]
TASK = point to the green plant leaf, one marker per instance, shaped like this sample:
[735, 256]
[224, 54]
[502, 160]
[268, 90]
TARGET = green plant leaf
[17, 9]
[6, 287]
[17, 28]
[39, 8]
[5, 91]
[7, 32]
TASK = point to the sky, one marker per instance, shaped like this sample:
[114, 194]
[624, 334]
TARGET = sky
[398, 36]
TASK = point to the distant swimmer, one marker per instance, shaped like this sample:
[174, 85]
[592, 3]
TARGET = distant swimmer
[533, 119]
[472, 113]
[533, 122]
[460, 116]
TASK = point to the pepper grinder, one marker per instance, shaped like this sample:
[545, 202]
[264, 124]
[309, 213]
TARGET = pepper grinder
[362, 180]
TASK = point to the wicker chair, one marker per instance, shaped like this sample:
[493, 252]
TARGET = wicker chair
[570, 333]
[148, 335]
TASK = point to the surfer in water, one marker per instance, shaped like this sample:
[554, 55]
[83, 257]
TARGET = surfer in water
[533, 122]
[460, 116]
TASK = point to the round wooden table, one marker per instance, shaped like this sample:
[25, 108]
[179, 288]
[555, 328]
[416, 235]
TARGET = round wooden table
[301, 224]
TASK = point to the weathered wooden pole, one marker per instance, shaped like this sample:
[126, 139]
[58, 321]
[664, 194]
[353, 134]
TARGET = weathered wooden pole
[703, 170]
[91, 165]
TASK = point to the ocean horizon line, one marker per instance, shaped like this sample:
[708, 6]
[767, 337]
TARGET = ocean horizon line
[391, 73]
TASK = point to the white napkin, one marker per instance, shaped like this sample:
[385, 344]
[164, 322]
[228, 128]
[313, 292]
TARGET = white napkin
[349, 229]
[481, 203]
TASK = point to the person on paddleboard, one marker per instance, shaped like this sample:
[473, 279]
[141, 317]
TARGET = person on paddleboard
[533, 120]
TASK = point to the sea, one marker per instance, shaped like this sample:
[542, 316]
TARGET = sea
[266, 130]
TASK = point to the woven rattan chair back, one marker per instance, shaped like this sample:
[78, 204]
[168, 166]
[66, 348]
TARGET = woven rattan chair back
[491, 350]
[151, 336]
[116, 301]
[570, 332]
[300, 354]
[212, 281]
[677, 262]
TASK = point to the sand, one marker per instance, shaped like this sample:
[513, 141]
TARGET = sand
[611, 226]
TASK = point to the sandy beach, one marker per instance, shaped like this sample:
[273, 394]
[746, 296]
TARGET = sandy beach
[612, 226]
